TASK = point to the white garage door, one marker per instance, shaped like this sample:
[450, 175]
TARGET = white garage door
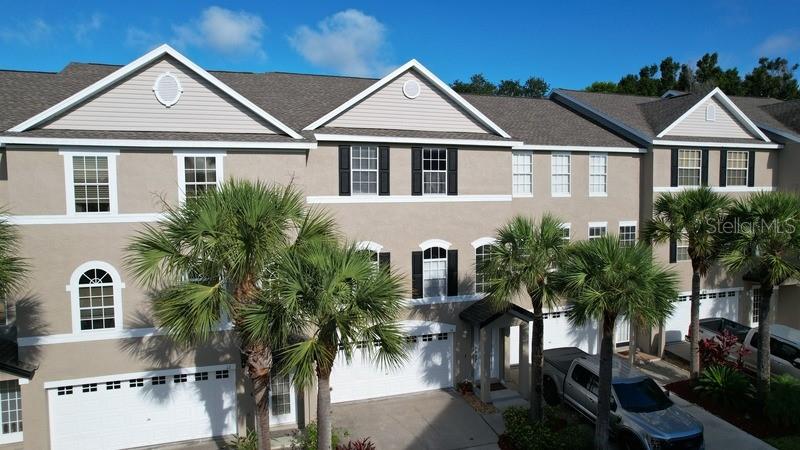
[134, 410]
[429, 366]
[719, 303]
[558, 333]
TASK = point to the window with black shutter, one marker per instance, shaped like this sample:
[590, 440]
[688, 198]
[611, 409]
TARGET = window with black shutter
[383, 170]
[416, 274]
[416, 170]
[723, 167]
[452, 272]
[452, 171]
[344, 169]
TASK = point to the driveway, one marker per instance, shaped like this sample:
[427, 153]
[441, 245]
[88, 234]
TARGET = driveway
[430, 420]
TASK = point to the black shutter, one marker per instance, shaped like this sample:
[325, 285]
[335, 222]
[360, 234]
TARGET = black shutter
[674, 169]
[452, 272]
[344, 169]
[704, 167]
[416, 171]
[452, 171]
[416, 274]
[384, 259]
[383, 170]
[723, 168]
[751, 169]
[673, 251]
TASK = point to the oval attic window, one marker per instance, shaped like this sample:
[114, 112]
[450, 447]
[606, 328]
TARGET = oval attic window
[167, 89]
[411, 88]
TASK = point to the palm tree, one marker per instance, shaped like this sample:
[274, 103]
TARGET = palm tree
[335, 300]
[211, 257]
[522, 261]
[13, 268]
[692, 216]
[762, 239]
[603, 281]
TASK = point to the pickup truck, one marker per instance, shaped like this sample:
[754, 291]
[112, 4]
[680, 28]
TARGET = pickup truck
[642, 415]
[784, 344]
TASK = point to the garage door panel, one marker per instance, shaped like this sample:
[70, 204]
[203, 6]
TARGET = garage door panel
[137, 415]
[722, 303]
[429, 366]
[557, 333]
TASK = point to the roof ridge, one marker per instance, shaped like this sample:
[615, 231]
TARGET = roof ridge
[521, 97]
[283, 72]
[47, 72]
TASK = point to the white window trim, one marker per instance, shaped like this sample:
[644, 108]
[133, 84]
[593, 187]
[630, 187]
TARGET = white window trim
[430, 243]
[521, 195]
[628, 223]
[567, 226]
[677, 246]
[746, 173]
[377, 170]
[369, 245]
[72, 288]
[69, 180]
[181, 154]
[596, 194]
[569, 173]
[711, 112]
[699, 168]
[480, 242]
[596, 225]
[446, 170]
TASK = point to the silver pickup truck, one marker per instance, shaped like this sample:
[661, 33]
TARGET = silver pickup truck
[642, 416]
[784, 344]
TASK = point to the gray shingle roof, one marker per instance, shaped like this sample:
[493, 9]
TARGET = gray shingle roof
[484, 312]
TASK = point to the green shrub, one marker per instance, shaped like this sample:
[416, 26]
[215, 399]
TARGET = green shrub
[783, 402]
[248, 442]
[725, 386]
[360, 444]
[306, 439]
[555, 432]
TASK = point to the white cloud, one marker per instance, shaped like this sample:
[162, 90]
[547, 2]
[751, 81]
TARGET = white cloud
[780, 44]
[27, 33]
[224, 31]
[84, 28]
[142, 39]
[349, 42]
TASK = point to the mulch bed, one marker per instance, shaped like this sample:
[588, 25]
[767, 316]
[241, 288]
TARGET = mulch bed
[755, 424]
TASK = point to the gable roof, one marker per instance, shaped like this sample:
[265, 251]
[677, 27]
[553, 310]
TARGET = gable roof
[428, 75]
[132, 67]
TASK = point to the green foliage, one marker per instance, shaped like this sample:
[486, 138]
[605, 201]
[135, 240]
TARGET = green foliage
[783, 402]
[772, 78]
[725, 386]
[306, 439]
[358, 444]
[13, 268]
[609, 87]
[478, 84]
[247, 442]
[554, 432]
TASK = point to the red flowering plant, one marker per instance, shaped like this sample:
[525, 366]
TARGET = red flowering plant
[720, 349]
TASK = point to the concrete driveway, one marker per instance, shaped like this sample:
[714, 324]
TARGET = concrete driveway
[430, 420]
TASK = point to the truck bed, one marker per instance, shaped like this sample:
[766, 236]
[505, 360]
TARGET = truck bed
[561, 358]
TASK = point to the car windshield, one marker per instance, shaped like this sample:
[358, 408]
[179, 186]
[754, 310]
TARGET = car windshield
[641, 396]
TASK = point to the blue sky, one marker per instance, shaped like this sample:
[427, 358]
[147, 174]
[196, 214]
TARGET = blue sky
[568, 43]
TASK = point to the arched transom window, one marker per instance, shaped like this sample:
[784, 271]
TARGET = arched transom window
[96, 300]
[434, 272]
[481, 255]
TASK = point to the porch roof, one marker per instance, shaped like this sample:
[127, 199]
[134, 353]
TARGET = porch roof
[483, 312]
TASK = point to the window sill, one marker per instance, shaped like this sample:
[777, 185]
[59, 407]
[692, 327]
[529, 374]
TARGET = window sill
[597, 194]
[443, 299]
[561, 195]
[522, 195]
[10, 438]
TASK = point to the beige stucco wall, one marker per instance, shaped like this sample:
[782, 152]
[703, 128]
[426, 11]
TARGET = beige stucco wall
[766, 166]
[36, 181]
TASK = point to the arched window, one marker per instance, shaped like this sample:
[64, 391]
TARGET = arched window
[96, 294]
[711, 112]
[481, 255]
[434, 272]
[375, 251]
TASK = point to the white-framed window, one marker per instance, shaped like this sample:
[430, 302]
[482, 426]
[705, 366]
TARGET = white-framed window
[373, 248]
[96, 295]
[522, 173]
[736, 168]
[434, 170]
[481, 255]
[682, 250]
[434, 272]
[689, 167]
[10, 411]
[756, 309]
[91, 181]
[627, 233]
[198, 172]
[711, 112]
[560, 174]
[598, 175]
[597, 229]
[566, 231]
[364, 169]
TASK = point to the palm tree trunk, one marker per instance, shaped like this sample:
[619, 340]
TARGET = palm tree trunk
[763, 363]
[537, 360]
[631, 341]
[259, 365]
[694, 326]
[262, 417]
[324, 427]
[604, 389]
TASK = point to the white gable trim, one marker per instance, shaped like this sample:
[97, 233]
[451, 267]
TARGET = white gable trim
[413, 64]
[136, 65]
[717, 92]
[153, 143]
[762, 145]
[414, 140]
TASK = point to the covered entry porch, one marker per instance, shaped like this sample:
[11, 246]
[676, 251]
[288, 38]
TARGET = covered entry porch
[492, 349]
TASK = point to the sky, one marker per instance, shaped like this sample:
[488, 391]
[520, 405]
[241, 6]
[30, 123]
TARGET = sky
[568, 43]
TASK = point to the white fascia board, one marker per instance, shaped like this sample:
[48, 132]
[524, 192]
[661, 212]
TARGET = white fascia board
[765, 145]
[717, 92]
[354, 199]
[413, 64]
[414, 140]
[721, 189]
[140, 62]
[152, 143]
[580, 148]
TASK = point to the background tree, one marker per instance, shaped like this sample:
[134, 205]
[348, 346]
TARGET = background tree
[13, 268]
[762, 240]
[772, 78]
[211, 258]
[521, 261]
[334, 299]
[477, 84]
[692, 216]
[603, 281]
[609, 87]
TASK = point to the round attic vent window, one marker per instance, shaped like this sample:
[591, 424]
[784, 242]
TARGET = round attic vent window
[411, 89]
[167, 89]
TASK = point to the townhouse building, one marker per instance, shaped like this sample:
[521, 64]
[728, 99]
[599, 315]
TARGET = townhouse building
[411, 170]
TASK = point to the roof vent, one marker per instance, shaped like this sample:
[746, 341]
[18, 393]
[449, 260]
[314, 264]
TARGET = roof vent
[411, 89]
[167, 89]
